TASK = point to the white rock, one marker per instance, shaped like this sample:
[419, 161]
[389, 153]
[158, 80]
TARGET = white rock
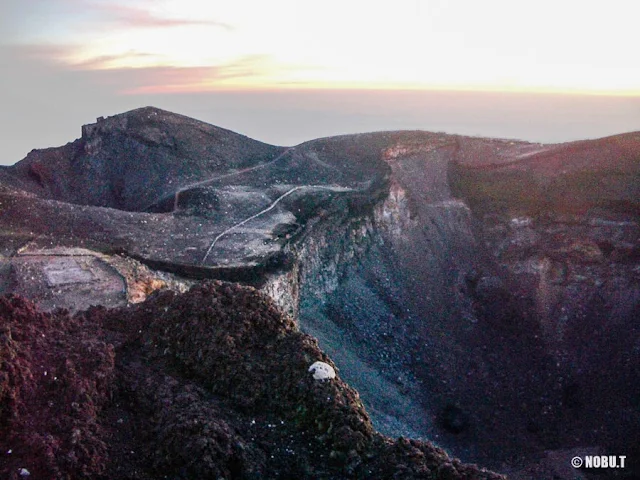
[24, 472]
[322, 371]
[521, 222]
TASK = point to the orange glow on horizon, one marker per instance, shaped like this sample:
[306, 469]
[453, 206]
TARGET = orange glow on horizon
[205, 87]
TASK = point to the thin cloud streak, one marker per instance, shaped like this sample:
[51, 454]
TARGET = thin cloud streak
[250, 71]
[126, 16]
[106, 61]
[131, 81]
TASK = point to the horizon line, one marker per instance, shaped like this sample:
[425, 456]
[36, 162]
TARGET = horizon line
[270, 88]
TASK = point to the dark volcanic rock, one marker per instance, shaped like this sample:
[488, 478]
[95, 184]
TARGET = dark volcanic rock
[56, 374]
[209, 384]
[480, 293]
[130, 161]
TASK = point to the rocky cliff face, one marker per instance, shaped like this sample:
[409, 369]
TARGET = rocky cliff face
[482, 294]
[488, 315]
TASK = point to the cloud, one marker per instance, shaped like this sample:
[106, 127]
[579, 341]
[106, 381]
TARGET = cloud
[194, 79]
[127, 16]
[258, 71]
[108, 61]
[44, 66]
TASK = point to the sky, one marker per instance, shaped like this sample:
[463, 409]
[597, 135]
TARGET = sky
[285, 71]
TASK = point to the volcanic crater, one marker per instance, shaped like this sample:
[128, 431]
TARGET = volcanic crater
[482, 295]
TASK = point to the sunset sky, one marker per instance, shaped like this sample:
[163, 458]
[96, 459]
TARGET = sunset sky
[68, 61]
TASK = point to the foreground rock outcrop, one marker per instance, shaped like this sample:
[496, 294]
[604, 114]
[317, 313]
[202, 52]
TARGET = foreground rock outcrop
[482, 294]
[212, 383]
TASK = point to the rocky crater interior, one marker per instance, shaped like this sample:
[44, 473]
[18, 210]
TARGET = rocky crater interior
[480, 294]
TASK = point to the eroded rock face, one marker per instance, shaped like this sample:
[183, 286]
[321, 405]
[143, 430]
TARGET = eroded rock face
[77, 278]
[480, 293]
[496, 309]
[80, 280]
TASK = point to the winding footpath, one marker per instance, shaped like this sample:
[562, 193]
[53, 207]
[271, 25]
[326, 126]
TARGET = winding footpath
[268, 209]
[226, 175]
